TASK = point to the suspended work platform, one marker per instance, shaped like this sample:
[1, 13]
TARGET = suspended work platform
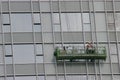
[73, 53]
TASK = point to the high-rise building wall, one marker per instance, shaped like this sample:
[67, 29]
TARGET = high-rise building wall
[30, 30]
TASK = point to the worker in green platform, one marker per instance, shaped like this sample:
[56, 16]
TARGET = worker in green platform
[90, 48]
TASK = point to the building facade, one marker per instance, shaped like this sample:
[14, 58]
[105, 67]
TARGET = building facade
[31, 29]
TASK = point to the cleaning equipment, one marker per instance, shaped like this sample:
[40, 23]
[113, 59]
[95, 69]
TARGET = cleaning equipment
[73, 53]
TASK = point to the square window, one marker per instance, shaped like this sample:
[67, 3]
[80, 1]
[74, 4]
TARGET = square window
[114, 58]
[100, 22]
[6, 28]
[86, 27]
[36, 18]
[109, 5]
[8, 49]
[6, 19]
[113, 49]
[39, 59]
[37, 28]
[111, 26]
[56, 18]
[39, 50]
[27, 51]
[99, 6]
[21, 22]
[8, 60]
[110, 17]
[105, 69]
[86, 18]
[1, 71]
[56, 27]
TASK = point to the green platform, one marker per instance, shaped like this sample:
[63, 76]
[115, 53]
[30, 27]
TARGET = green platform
[99, 53]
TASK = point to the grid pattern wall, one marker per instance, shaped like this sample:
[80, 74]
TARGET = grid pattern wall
[31, 29]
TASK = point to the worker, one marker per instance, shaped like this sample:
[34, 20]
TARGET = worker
[90, 48]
